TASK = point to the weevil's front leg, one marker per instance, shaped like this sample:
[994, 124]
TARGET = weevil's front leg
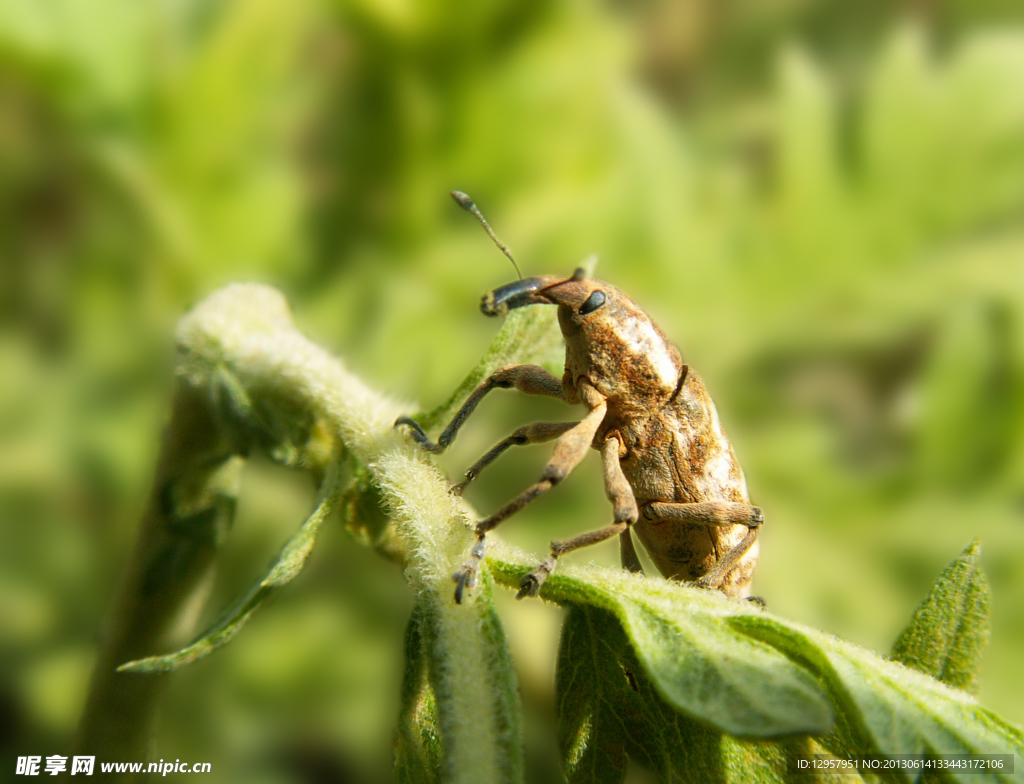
[570, 449]
[528, 379]
[626, 513]
[537, 433]
[719, 513]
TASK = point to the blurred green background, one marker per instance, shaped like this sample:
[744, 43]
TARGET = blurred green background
[822, 203]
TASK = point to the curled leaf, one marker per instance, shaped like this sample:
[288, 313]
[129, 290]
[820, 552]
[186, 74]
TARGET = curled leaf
[288, 565]
[477, 708]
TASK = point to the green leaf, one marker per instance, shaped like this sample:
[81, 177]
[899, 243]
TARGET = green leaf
[947, 635]
[884, 707]
[589, 687]
[609, 710]
[739, 670]
[418, 752]
[289, 563]
[698, 662]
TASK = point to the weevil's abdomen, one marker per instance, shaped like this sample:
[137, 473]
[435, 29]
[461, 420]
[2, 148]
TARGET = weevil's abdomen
[687, 552]
[683, 456]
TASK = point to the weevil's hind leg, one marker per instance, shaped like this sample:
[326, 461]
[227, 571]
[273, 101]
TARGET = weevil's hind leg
[720, 513]
[570, 449]
[727, 562]
[627, 554]
[528, 379]
[536, 433]
[626, 513]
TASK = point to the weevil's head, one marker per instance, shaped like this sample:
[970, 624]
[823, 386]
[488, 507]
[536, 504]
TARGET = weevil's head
[608, 339]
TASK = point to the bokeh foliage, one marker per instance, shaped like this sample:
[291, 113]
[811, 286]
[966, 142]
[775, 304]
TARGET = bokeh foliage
[820, 202]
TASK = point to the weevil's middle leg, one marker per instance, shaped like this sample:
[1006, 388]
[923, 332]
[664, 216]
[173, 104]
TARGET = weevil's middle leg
[626, 513]
[536, 433]
[531, 583]
[528, 379]
[570, 449]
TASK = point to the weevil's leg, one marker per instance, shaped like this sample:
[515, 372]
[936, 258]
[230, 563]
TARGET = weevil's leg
[531, 583]
[726, 563]
[714, 513]
[706, 513]
[419, 435]
[627, 554]
[615, 482]
[528, 379]
[626, 513]
[536, 433]
[570, 449]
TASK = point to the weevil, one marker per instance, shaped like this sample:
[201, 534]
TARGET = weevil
[669, 470]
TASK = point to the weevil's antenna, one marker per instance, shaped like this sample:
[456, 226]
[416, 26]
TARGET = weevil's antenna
[467, 204]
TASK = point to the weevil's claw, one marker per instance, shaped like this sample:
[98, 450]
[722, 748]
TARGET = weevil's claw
[709, 581]
[531, 584]
[458, 489]
[759, 601]
[756, 516]
[465, 577]
[419, 435]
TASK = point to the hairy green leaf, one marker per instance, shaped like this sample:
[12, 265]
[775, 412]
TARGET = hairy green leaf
[588, 682]
[735, 669]
[947, 635]
[609, 710]
[695, 659]
[887, 708]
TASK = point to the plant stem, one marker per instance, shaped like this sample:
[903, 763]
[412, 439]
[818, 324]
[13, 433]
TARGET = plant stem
[245, 331]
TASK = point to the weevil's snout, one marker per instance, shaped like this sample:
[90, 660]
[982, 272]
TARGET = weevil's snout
[545, 290]
[512, 296]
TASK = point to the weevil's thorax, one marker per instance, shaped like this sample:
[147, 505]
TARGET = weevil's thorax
[617, 347]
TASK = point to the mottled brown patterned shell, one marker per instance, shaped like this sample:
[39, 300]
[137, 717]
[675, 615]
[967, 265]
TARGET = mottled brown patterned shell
[675, 449]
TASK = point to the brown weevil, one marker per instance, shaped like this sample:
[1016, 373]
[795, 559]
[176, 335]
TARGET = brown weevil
[669, 469]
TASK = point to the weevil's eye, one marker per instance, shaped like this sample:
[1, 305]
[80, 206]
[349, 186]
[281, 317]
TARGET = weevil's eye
[594, 301]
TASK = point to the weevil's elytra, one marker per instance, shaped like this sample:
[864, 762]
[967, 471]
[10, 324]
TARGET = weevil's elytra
[670, 471]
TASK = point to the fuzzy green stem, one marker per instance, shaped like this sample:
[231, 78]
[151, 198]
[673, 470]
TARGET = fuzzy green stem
[245, 331]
